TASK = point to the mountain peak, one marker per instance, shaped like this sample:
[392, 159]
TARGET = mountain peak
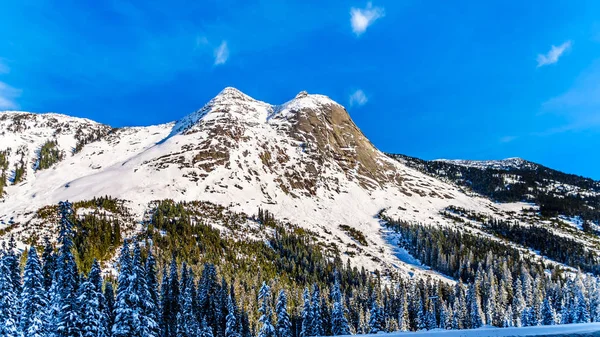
[232, 94]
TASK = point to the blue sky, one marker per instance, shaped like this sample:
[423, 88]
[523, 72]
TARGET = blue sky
[437, 79]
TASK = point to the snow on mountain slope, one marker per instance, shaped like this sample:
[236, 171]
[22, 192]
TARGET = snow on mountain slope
[502, 164]
[304, 161]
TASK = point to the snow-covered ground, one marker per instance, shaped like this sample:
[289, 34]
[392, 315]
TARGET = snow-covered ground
[586, 329]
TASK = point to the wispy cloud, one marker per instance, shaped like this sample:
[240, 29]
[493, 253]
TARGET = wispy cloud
[221, 53]
[578, 108]
[358, 98]
[4, 69]
[508, 139]
[553, 55]
[362, 18]
[8, 95]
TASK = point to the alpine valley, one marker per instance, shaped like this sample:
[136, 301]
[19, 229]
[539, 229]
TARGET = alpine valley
[296, 196]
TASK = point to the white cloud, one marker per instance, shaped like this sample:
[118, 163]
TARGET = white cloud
[358, 98]
[553, 55]
[360, 19]
[221, 53]
[507, 139]
[7, 97]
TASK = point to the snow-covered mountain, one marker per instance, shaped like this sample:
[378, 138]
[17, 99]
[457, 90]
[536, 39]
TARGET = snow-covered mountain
[503, 164]
[305, 161]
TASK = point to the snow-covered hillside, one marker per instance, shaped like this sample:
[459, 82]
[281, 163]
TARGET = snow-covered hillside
[305, 161]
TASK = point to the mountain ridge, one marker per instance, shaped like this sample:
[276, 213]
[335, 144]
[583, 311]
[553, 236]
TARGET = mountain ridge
[305, 161]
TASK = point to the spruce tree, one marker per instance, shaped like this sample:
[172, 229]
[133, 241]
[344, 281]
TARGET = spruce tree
[141, 300]
[125, 317]
[92, 319]
[339, 323]
[33, 296]
[375, 324]
[548, 314]
[231, 328]
[187, 323]
[317, 323]
[9, 326]
[49, 267]
[109, 297]
[265, 320]
[475, 320]
[284, 324]
[67, 277]
[306, 330]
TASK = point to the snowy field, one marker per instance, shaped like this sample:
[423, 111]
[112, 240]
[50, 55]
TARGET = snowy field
[587, 329]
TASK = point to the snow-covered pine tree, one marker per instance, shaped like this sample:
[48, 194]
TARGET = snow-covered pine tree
[33, 295]
[206, 330]
[283, 328]
[265, 320]
[580, 310]
[125, 317]
[375, 322]
[339, 323]
[430, 321]
[49, 261]
[9, 326]
[421, 317]
[444, 317]
[109, 298]
[475, 320]
[403, 315]
[548, 314]
[170, 307]
[141, 300]
[187, 323]
[67, 277]
[12, 258]
[92, 319]
[152, 282]
[316, 326]
[306, 330]
[231, 327]
[95, 278]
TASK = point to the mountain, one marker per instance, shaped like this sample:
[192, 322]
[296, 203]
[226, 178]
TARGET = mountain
[514, 179]
[304, 162]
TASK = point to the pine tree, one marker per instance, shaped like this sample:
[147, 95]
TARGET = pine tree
[109, 298]
[49, 263]
[33, 296]
[548, 314]
[339, 323]
[421, 318]
[206, 329]
[265, 320]
[403, 315]
[92, 319]
[67, 277]
[187, 323]
[152, 282]
[375, 324]
[125, 317]
[9, 326]
[317, 323]
[231, 328]
[141, 300]
[306, 315]
[284, 324]
[475, 320]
